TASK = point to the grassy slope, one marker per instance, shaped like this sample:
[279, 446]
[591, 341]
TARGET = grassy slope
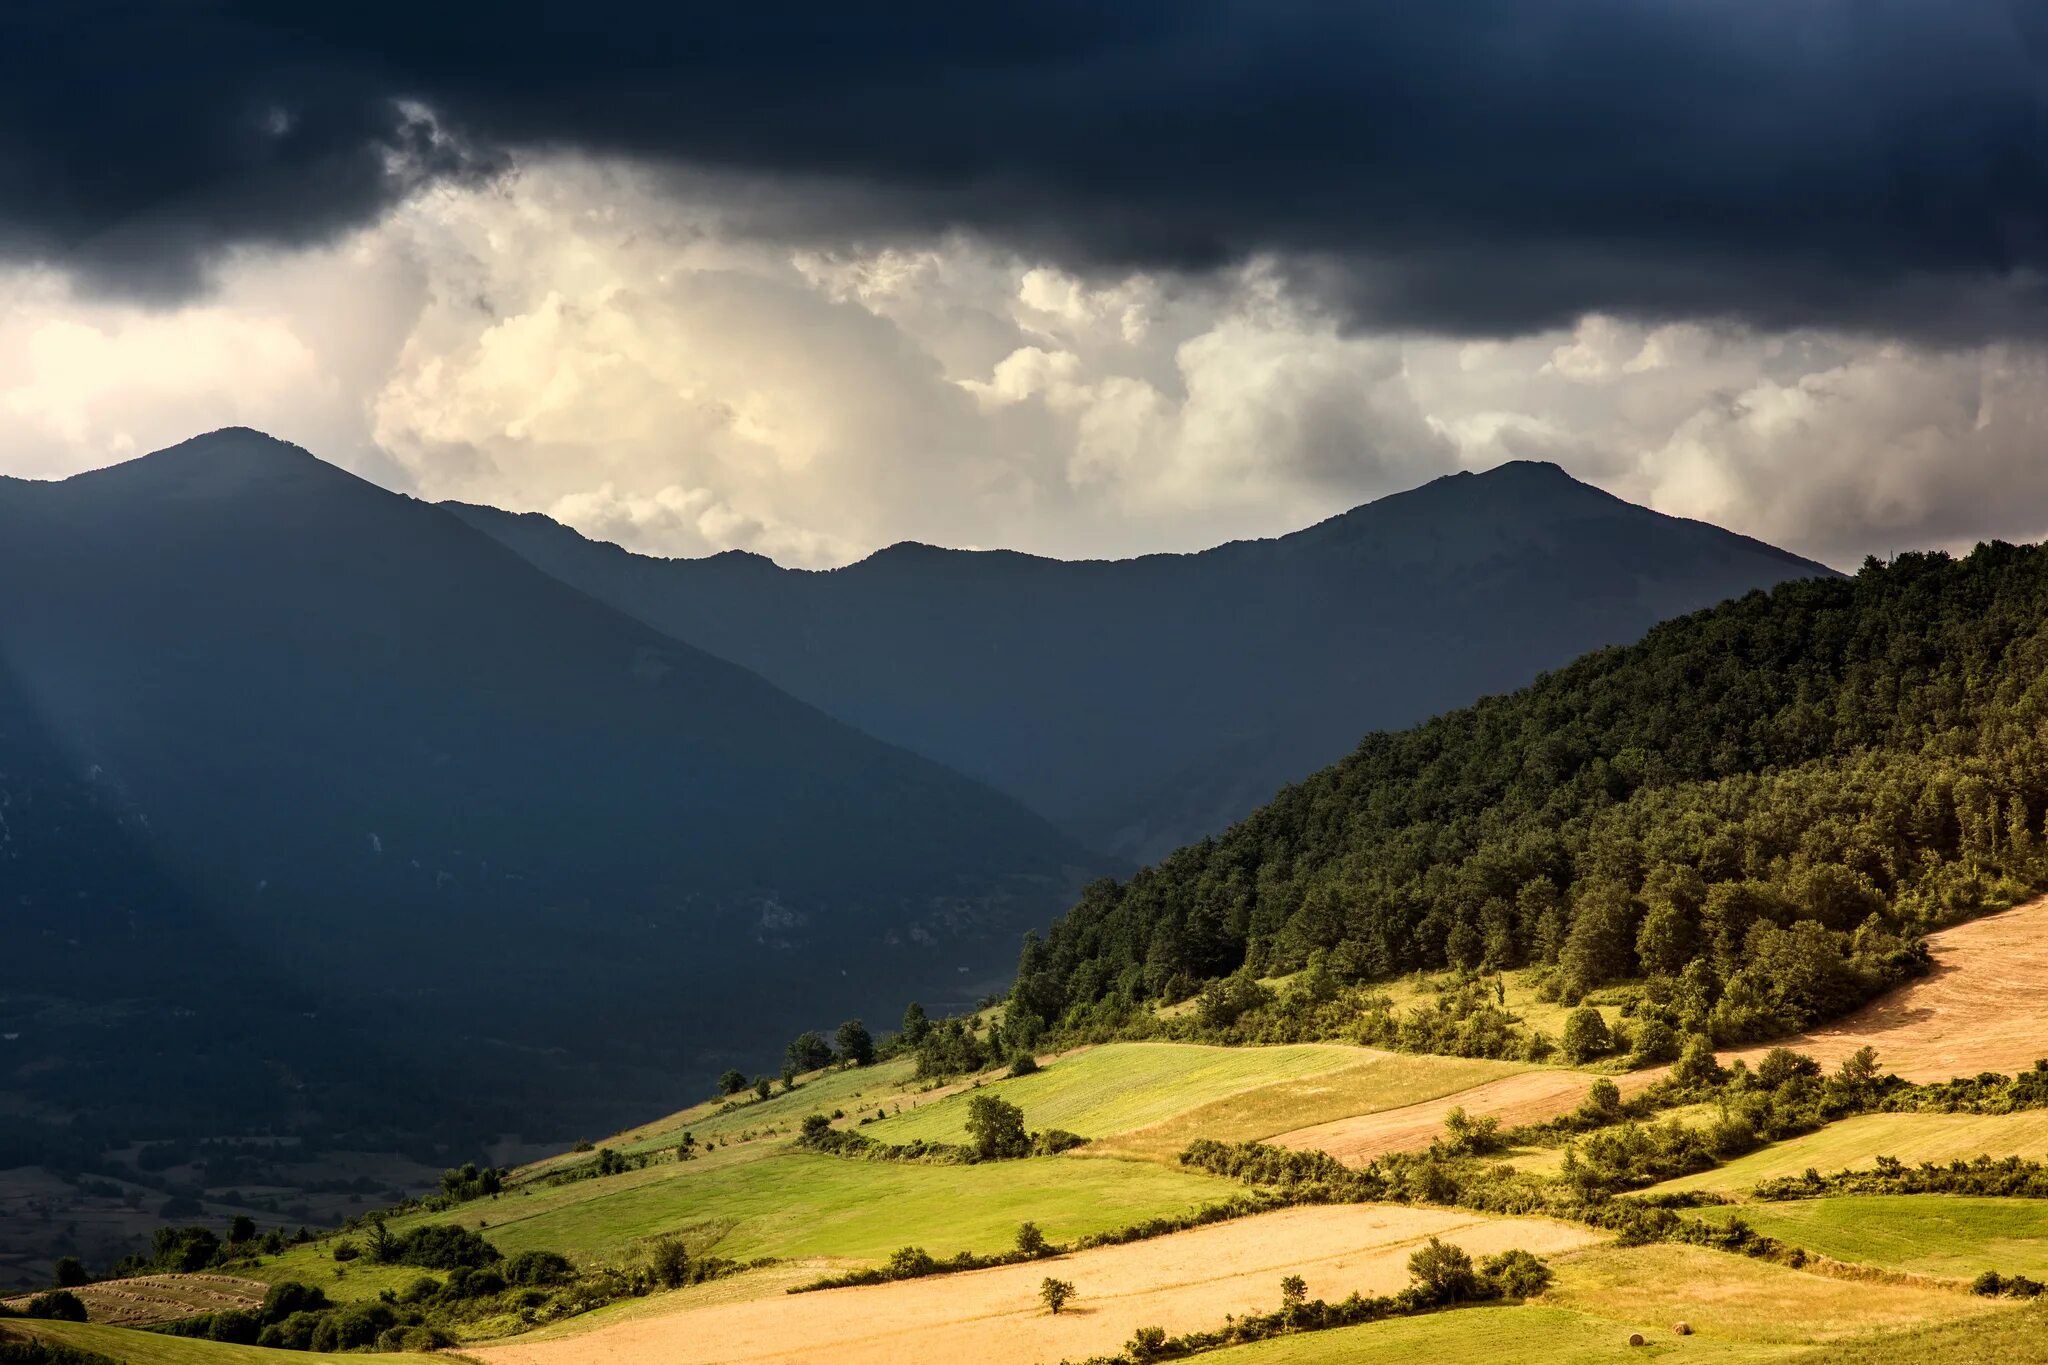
[1858, 1142]
[761, 1201]
[1382, 1080]
[132, 1347]
[854, 1090]
[1732, 1298]
[1928, 1234]
[1122, 1086]
[1531, 1334]
[2016, 1337]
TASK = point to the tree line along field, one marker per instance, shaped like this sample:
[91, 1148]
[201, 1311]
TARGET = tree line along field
[1855, 1144]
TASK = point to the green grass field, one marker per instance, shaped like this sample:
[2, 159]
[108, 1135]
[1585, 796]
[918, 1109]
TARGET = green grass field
[132, 1347]
[855, 1090]
[2016, 1336]
[1531, 1334]
[1122, 1086]
[760, 1201]
[1857, 1143]
[1927, 1234]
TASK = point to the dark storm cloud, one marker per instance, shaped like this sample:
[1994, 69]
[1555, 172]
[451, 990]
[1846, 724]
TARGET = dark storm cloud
[1484, 166]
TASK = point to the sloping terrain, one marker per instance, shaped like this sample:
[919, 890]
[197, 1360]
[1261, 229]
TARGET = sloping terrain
[1143, 703]
[145, 1299]
[296, 774]
[1856, 1143]
[1527, 1098]
[1983, 1007]
[1182, 1283]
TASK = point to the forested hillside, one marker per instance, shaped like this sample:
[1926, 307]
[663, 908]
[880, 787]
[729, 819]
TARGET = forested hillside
[1758, 808]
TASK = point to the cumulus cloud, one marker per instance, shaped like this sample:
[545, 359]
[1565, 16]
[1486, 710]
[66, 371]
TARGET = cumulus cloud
[573, 338]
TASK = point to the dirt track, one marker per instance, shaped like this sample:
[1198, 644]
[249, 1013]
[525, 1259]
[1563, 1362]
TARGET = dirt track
[1184, 1282]
[1984, 1007]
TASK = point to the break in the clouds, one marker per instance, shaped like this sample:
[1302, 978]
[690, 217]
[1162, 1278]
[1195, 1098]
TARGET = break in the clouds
[1478, 167]
[590, 340]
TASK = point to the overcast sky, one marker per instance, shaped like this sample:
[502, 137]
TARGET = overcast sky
[1076, 278]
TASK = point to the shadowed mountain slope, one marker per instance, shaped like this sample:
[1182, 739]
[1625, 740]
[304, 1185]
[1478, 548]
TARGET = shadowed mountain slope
[1144, 703]
[271, 735]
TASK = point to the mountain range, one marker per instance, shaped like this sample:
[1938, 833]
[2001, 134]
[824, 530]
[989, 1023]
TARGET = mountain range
[276, 742]
[1141, 704]
[296, 772]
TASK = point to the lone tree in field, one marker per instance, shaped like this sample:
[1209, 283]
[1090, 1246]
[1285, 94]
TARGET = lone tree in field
[856, 1044]
[1055, 1293]
[1585, 1035]
[731, 1083]
[1030, 1241]
[762, 1085]
[996, 1128]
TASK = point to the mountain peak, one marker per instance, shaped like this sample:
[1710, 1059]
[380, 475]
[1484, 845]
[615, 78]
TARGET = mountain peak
[224, 463]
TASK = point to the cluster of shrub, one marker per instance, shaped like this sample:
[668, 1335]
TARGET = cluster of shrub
[606, 1161]
[17, 1351]
[1999, 1177]
[1991, 1284]
[995, 1132]
[914, 1262]
[1440, 1276]
[1437, 1176]
[54, 1305]
[1786, 1094]
[431, 1246]
[299, 1317]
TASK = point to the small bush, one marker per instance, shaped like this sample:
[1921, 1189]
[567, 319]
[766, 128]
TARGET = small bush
[58, 1305]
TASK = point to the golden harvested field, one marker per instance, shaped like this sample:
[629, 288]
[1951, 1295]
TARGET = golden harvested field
[1984, 1007]
[1856, 1144]
[163, 1298]
[992, 1317]
[1527, 1098]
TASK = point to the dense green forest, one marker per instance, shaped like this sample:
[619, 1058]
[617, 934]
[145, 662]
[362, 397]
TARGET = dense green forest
[1757, 810]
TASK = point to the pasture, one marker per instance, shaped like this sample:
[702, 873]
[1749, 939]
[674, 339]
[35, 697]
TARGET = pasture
[1122, 1086]
[749, 1203]
[1951, 1236]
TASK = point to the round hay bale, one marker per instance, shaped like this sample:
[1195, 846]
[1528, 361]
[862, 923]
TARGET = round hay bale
[1683, 1329]
[1636, 1339]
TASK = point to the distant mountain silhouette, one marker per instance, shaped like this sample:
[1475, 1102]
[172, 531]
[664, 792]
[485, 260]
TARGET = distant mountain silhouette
[275, 742]
[1144, 703]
